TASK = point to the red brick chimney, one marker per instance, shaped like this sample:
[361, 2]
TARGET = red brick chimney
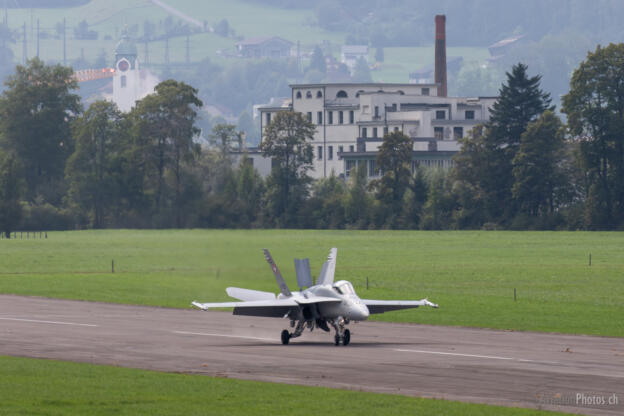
[440, 54]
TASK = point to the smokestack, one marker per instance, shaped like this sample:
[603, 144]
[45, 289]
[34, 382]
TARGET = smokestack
[440, 54]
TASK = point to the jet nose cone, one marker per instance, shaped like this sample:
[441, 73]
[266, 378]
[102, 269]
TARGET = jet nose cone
[362, 313]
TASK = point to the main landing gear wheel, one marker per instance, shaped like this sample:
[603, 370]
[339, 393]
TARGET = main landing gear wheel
[337, 340]
[346, 338]
[285, 337]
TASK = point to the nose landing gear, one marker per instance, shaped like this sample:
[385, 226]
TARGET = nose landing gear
[342, 334]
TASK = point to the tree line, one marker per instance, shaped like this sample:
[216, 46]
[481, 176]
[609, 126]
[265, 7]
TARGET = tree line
[66, 167]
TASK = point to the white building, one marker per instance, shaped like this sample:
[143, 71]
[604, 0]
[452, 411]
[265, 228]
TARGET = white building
[350, 54]
[130, 83]
[352, 119]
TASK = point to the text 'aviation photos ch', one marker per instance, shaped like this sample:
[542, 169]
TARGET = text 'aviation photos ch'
[318, 305]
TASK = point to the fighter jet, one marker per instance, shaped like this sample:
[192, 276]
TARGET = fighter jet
[314, 306]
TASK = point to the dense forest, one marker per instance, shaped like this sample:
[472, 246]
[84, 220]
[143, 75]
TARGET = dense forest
[64, 167]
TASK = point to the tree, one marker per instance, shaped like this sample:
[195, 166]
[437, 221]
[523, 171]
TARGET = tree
[36, 110]
[485, 160]
[361, 71]
[358, 201]
[164, 128]
[317, 61]
[286, 141]
[394, 160]
[90, 169]
[10, 191]
[537, 166]
[595, 109]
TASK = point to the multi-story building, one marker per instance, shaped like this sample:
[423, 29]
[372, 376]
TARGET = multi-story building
[352, 119]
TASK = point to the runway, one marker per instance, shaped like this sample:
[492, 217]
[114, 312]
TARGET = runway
[549, 371]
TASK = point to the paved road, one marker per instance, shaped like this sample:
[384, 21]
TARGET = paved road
[548, 371]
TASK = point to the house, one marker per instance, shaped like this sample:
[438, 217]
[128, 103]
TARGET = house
[265, 47]
[350, 54]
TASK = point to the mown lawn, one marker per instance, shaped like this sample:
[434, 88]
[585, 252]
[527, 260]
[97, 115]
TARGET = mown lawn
[471, 274]
[44, 387]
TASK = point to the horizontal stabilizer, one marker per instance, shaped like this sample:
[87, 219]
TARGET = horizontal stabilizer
[302, 268]
[248, 294]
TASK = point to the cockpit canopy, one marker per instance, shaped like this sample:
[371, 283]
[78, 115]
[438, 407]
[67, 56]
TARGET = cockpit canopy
[344, 288]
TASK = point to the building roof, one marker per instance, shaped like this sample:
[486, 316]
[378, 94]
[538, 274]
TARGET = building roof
[360, 84]
[355, 49]
[126, 46]
[258, 40]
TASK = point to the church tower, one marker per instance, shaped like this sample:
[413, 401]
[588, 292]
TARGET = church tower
[127, 80]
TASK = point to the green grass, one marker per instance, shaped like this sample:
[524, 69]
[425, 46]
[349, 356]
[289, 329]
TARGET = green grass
[43, 387]
[472, 275]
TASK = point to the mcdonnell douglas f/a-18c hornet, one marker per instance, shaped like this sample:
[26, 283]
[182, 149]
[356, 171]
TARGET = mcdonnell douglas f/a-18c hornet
[313, 306]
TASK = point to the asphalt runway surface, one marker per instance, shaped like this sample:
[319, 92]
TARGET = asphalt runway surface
[548, 371]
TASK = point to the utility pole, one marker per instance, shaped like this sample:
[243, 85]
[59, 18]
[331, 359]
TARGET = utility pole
[38, 35]
[188, 49]
[24, 50]
[64, 41]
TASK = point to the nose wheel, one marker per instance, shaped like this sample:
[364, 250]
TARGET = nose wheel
[345, 338]
[285, 337]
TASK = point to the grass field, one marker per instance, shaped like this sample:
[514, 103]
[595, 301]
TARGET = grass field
[472, 275]
[43, 387]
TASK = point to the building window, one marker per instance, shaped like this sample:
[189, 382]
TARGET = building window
[396, 129]
[425, 91]
[298, 94]
[351, 149]
[458, 133]
[469, 114]
[376, 111]
[308, 94]
[310, 116]
[319, 152]
[330, 153]
[385, 130]
[268, 118]
[351, 117]
[330, 117]
[394, 107]
[373, 170]
[438, 133]
[340, 117]
[123, 81]
[358, 93]
[440, 115]
[340, 150]
[401, 92]
[341, 94]
[319, 94]
[319, 117]
[364, 132]
[349, 164]
[375, 132]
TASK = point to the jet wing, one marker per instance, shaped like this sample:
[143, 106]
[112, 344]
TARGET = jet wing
[381, 306]
[276, 308]
[271, 308]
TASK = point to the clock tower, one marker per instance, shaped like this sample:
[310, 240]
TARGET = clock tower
[127, 80]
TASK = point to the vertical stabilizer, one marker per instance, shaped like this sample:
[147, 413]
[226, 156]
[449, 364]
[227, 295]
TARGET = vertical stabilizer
[329, 268]
[304, 277]
[278, 276]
